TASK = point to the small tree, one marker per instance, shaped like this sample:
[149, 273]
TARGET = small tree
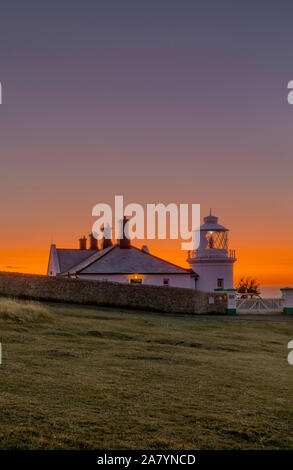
[248, 285]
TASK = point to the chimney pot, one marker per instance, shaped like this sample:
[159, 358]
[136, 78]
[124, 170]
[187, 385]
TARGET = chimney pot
[82, 243]
[93, 242]
[106, 242]
[124, 242]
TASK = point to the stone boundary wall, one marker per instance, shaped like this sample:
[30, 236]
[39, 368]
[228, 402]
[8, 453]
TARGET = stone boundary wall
[87, 292]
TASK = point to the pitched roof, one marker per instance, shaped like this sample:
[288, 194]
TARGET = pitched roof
[90, 259]
[70, 258]
[114, 260]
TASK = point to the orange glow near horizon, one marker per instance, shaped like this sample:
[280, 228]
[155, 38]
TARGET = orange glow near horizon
[270, 267]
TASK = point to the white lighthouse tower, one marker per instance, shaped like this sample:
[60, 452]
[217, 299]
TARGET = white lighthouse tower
[212, 261]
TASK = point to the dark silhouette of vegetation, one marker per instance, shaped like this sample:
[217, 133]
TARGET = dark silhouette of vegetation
[248, 285]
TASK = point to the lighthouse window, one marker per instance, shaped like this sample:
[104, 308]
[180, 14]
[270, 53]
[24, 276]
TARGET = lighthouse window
[217, 239]
[220, 282]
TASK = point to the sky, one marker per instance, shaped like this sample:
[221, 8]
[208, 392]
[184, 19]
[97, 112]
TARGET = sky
[159, 101]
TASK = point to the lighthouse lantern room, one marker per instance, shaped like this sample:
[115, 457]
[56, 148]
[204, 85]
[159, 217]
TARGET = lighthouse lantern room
[213, 261]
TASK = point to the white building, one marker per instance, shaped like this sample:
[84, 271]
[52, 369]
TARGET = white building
[211, 267]
[118, 263]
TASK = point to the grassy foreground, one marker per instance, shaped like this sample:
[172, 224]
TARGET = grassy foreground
[102, 378]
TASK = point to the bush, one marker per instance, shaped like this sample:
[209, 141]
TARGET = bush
[23, 311]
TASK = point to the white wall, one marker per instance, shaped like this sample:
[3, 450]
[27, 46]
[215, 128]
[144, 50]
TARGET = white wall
[53, 265]
[176, 280]
[105, 277]
[209, 273]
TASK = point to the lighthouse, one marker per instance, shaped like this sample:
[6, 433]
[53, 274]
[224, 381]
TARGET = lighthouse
[213, 261]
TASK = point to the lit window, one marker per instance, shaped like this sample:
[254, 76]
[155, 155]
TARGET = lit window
[135, 279]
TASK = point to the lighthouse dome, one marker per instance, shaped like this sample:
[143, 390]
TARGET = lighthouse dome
[213, 238]
[211, 223]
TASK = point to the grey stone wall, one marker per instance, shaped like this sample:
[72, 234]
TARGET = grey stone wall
[155, 298]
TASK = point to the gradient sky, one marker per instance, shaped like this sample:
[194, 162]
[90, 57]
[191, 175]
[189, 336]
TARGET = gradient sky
[161, 101]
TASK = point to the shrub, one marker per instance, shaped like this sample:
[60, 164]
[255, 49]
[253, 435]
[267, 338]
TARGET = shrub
[21, 311]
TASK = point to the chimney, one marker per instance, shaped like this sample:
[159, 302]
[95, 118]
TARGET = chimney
[124, 242]
[106, 242]
[82, 243]
[93, 242]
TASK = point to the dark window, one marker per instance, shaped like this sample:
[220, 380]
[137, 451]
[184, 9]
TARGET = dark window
[136, 281]
[221, 283]
[166, 282]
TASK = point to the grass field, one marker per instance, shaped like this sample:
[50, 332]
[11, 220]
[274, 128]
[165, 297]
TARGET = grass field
[86, 378]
